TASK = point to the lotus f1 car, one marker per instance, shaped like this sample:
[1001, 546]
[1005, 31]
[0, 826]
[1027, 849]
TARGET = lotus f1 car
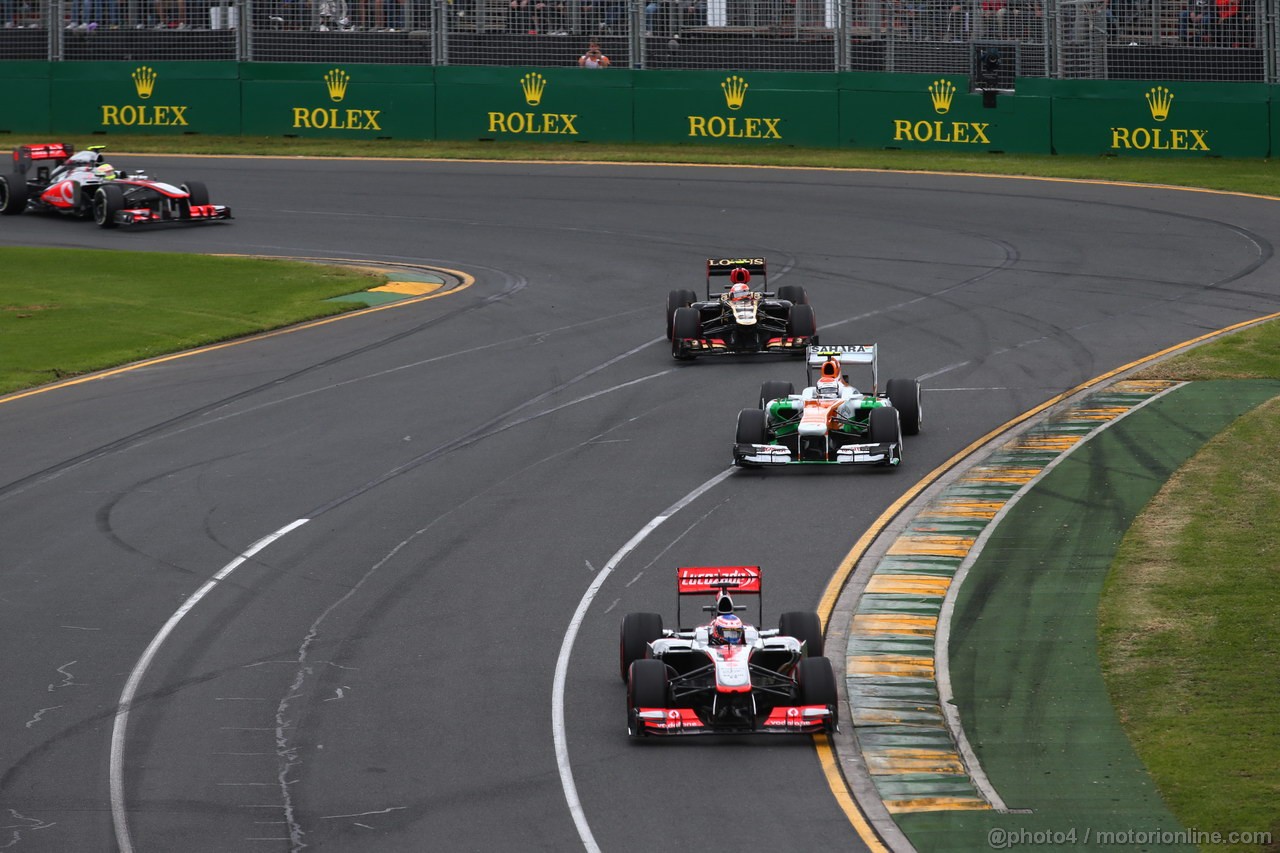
[55, 178]
[726, 677]
[831, 421]
[740, 318]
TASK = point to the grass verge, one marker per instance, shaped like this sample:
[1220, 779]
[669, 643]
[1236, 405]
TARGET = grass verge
[64, 312]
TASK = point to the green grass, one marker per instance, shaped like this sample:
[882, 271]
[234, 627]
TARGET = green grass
[64, 312]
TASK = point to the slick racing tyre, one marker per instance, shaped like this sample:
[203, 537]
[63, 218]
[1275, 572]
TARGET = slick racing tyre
[801, 323]
[106, 201]
[638, 631]
[817, 685]
[196, 192]
[793, 293]
[687, 323]
[751, 427]
[806, 627]
[676, 300]
[773, 389]
[905, 396]
[646, 688]
[883, 427]
[13, 194]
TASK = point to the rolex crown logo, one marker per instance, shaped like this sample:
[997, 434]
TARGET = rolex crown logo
[336, 82]
[144, 80]
[1160, 99]
[941, 92]
[735, 91]
[533, 84]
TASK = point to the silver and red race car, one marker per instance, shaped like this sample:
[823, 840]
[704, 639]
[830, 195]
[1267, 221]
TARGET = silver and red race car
[55, 178]
[745, 318]
[726, 676]
[830, 422]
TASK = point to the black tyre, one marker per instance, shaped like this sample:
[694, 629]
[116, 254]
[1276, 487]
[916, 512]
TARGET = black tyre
[197, 193]
[638, 631]
[13, 194]
[794, 294]
[687, 323]
[676, 300]
[817, 682]
[751, 428]
[806, 627]
[905, 396]
[801, 323]
[883, 427]
[646, 688]
[107, 199]
[773, 389]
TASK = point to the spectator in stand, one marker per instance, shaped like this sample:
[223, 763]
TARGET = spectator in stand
[1230, 29]
[524, 17]
[171, 14]
[593, 58]
[1195, 23]
[992, 18]
[693, 13]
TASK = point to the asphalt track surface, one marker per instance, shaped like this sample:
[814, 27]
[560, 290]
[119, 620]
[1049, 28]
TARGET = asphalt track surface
[380, 677]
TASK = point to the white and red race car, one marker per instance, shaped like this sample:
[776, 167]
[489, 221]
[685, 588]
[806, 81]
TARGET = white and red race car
[726, 677]
[55, 178]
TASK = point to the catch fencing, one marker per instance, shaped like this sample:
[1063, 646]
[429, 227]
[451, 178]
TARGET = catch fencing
[992, 41]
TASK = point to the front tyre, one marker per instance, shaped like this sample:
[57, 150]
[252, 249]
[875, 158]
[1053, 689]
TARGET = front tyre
[802, 323]
[687, 323]
[638, 631]
[647, 687]
[197, 193]
[107, 199]
[816, 685]
[905, 396]
[751, 427]
[676, 300]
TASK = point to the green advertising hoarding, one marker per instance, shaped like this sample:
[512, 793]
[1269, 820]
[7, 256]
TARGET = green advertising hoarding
[939, 112]
[533, 104]
[1152, 118]
[146, 97]
[24, 104]
[737, 107]
[349, 100]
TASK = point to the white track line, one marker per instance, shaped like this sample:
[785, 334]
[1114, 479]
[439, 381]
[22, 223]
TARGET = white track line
[119, 814]
[566, 648]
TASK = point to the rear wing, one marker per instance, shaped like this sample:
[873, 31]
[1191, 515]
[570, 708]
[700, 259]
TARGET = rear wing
[848, 354]
[721, 267]
[721, 581]
[24, 155]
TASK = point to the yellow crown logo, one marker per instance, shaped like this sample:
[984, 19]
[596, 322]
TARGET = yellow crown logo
[735, 91]
[144, 80]
[336, 82]
[533, 84]
[1159, 99]
[941, 92]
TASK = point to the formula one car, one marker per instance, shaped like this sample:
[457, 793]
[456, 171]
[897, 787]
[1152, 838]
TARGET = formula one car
[831, 421]
[726, 677]
[55, 178]
[740, 319]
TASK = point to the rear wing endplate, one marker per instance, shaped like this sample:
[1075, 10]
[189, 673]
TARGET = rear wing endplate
[721, 267]
[721, 581]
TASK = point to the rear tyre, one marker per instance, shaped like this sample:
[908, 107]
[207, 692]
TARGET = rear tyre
[905, 396]
[13, 194]
[883, 427]
[801, 323]
[107, 199]
[687, 323]
[638, 631]
[817, 685]
[676, 300]
[806, 627]
[794, 294]
[773, 389]
[646, 688]
[197, 193]
[751, 428]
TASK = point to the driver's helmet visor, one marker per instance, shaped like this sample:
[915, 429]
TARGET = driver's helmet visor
[828, 389]
[732, 636]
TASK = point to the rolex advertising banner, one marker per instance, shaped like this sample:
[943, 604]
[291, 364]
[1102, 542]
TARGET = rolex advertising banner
[939, 112]
[738, 107]
[24, 107]
[146, 97]
[350, 101]
[533, 104]
[1148, 118]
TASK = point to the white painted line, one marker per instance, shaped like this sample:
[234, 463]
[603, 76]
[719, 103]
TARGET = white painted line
[566, 649]
[119, 814]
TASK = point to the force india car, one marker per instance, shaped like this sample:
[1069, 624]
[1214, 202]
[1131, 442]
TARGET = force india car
[681, 682]
[741, 319]
[55, 178]
[831, 421]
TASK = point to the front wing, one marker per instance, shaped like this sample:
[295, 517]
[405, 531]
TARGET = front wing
[768, 455]
[199, 213]
[690, 347]
[782, 720]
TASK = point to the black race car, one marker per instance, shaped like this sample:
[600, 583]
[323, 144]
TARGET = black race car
[55, 178]
[741, 318]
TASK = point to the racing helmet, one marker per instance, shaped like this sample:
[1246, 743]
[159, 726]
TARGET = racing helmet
[739, 275]
[827, 389]
[739, 292]
[726, 630]
[105, 172]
